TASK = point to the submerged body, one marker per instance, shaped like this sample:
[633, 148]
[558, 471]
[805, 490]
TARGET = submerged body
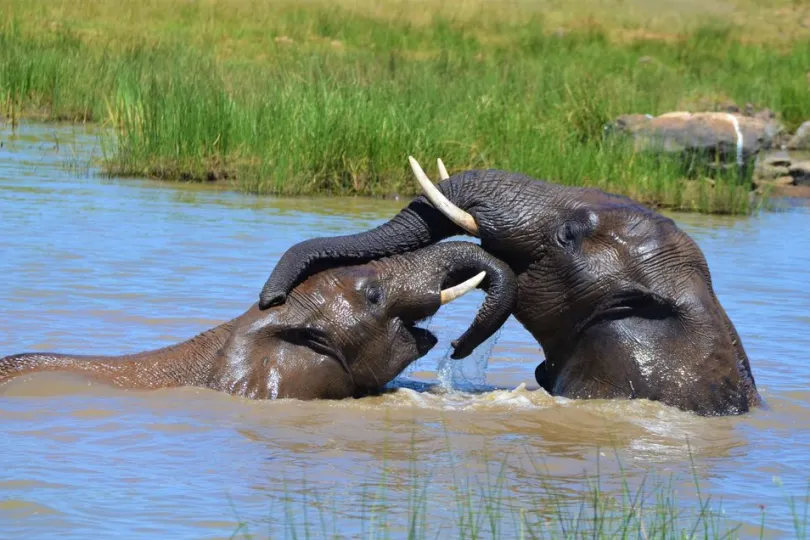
[619, 298]
[344, 332]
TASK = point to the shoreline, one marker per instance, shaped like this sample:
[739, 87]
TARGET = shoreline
[330, 99]
[761, 195]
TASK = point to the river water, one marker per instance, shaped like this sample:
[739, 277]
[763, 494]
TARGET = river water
[96, 265]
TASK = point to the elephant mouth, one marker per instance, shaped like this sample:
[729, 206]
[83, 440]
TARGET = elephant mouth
[425, 339]
[643, 304]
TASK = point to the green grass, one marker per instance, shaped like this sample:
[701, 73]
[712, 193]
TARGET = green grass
[588, 506]
[327, 99]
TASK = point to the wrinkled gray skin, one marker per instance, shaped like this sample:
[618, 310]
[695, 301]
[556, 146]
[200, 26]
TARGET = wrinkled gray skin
[343, 332]
[619, 298]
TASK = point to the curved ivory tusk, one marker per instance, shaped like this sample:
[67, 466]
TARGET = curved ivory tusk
[442, 169]
[457, 291]
[442, 203]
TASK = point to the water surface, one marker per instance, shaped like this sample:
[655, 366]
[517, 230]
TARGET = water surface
[93, 265]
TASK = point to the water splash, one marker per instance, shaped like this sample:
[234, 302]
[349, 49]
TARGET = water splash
[470, 374]
[273, 382]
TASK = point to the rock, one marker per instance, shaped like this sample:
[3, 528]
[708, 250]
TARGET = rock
[800, 172]
[772, 165]
[801, 139]
[779, 159]
[779, 182]
[770, 172]
[712, 135]
[775, 132]
[784, 181]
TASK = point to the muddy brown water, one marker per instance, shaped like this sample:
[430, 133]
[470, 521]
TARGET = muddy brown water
[93, 265]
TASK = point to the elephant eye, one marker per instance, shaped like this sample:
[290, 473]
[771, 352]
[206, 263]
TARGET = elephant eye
[374, 295]
[569, 233]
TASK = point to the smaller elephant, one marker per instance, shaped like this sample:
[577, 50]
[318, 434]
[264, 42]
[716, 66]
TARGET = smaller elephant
[344, 332]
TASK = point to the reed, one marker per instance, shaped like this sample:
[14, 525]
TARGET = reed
[595, 506]
[331, 98]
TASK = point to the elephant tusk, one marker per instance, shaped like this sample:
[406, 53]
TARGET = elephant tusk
[442, 169]
[457, 291]
[442, 203]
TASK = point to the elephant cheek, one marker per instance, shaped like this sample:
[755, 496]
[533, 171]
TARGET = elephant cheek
[306, 376]
[425, 341]
[328, 380]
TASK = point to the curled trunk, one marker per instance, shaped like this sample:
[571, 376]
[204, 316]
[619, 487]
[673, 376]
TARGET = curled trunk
[417, 225]
[459, 261]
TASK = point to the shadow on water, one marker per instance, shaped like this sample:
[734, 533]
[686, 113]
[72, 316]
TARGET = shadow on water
[94, 265]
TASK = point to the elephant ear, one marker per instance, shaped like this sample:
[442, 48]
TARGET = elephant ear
[297, 331]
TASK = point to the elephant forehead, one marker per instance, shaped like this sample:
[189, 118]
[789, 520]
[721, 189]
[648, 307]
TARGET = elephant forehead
[356, 273]
[665, 261]
[355, 278]
[635, 242]
[330, 282]
[641, 232]
[334, 293]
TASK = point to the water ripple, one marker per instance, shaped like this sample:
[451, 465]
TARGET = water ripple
[93, 265]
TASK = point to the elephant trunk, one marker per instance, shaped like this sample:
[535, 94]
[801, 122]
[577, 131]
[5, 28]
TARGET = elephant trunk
[187, 363]
[418, 225]
[457, 262]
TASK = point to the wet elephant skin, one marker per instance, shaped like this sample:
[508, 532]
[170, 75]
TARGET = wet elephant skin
[344, 332]
[619, 298]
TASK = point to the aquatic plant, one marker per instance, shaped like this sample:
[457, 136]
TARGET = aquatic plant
[651, 506]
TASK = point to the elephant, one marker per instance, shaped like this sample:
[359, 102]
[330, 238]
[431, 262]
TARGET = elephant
[618, 297]
[344, 332]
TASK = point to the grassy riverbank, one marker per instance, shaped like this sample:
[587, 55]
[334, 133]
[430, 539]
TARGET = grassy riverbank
[331, 97]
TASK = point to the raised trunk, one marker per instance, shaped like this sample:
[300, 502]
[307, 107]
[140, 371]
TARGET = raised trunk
[418, 225]
[458, 261]
[185, 364]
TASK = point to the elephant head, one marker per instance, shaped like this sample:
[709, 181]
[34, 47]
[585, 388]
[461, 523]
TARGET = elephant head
[351, 330]
[619, 298]
[343, 332]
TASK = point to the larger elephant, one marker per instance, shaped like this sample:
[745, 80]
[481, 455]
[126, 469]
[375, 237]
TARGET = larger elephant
[343, 332]
[619, 298]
